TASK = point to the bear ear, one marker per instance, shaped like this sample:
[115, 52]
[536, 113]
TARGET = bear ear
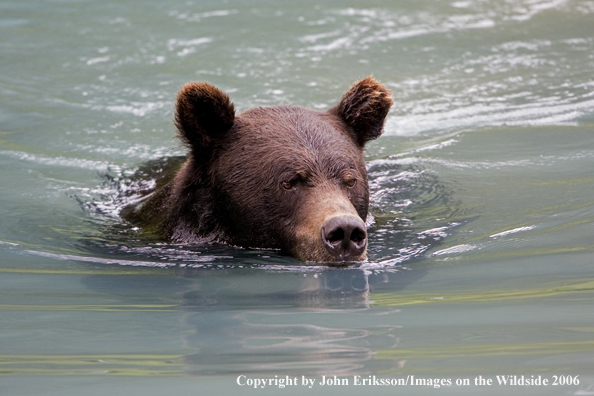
[202, 113]
[364, 108]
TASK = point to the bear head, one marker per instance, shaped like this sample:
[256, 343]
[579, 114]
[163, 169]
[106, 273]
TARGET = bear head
[282, 177]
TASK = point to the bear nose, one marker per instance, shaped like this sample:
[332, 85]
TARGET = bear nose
[344, 237]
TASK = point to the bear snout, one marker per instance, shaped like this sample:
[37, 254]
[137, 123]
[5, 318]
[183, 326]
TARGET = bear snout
[344, 237]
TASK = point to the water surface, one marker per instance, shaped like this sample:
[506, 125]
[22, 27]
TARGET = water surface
[481, 254]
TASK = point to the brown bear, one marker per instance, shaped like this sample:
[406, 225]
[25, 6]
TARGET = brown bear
[281, 177]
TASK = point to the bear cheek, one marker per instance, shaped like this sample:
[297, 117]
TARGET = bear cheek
[321, 208]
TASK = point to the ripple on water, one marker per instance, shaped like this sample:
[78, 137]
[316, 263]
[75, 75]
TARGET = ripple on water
[413, 212]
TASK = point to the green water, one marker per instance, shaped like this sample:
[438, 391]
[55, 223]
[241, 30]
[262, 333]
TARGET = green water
[481, 257]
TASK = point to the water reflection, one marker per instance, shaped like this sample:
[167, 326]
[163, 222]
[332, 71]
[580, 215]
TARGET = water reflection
[320, 288]
[267, 338]
[249, 321]
[276, 348]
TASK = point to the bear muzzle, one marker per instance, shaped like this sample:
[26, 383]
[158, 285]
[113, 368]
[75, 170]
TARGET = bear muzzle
[330, 229]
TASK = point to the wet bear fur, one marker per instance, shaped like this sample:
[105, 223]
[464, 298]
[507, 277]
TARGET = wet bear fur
[281, 177]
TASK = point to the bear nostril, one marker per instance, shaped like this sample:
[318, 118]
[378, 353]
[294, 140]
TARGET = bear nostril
[358, 235]
[344, 237]
[336, 235]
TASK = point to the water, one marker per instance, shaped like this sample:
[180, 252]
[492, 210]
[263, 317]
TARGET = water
[481, 255]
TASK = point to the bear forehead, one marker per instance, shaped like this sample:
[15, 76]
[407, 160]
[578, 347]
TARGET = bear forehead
[288, 139]
[294, 128]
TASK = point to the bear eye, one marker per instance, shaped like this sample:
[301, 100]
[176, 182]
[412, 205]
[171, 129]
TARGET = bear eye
[287, 185]
[350, 183]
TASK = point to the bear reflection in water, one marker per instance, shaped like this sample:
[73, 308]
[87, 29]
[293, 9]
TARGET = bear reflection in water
[268, 322]
[282, 177]
[266, 337]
